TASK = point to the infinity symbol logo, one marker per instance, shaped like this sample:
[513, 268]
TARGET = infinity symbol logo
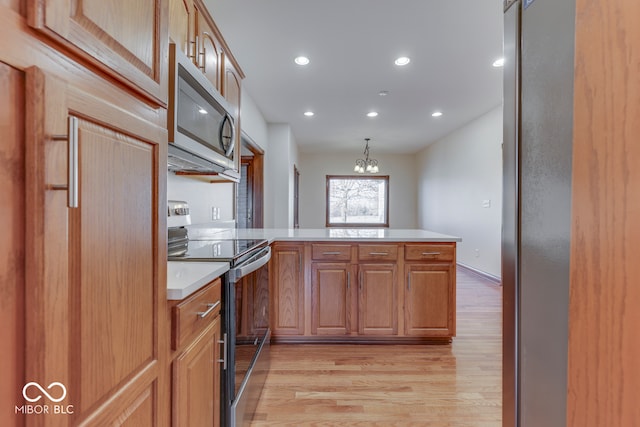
[43, 391]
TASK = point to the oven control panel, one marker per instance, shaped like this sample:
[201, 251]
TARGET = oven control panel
[178, 213]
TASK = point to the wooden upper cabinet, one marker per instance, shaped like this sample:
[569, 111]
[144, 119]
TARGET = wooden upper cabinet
[192, 29]
[124, 38]
[232, 85]
[93, 284]
[209, 55]
[182, 24]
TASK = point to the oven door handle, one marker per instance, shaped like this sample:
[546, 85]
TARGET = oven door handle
[254, 263]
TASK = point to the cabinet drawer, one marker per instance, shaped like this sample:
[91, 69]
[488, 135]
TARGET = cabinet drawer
[195, 313]
[377, 252]
[429, 252]
[329, 252]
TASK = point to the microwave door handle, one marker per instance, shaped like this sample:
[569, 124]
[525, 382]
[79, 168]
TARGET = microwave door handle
[221, 136]
[229, 150]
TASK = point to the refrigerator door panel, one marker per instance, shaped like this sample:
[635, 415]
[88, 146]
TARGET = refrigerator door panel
[510, 213]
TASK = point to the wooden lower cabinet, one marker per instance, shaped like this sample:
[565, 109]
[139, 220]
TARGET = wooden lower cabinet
[356, 292]
[330, 298]
[287, 289]
[377, 302]
[197, 364]
[430, 300]
[196, 393]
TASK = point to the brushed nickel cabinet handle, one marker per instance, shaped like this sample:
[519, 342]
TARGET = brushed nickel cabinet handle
[360, 278]
[379, 253]
[195, 49]
[203, 54]
[212, 307]
[430, 253]
[331, 253]
[224, 352]
[348, 280]
[72, 158]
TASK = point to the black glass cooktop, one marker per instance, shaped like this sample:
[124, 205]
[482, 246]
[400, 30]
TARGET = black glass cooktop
[219, 250]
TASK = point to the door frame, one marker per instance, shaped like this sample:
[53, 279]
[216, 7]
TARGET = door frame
[255, 175]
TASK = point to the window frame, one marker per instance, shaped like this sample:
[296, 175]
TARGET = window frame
[357, 225]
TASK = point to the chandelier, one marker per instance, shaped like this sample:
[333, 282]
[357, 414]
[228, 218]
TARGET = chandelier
[366, 165]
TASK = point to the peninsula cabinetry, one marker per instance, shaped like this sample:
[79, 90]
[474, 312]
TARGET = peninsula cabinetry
[377, 300]
[350, 291]
[287, 289]
[430, 294]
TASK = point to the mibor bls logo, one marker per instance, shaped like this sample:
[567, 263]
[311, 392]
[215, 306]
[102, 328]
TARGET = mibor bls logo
[34, 392]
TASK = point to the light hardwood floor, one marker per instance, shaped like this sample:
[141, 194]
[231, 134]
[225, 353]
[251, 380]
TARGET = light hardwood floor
[395, 385]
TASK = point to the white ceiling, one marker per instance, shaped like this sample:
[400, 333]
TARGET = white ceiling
[352, 45]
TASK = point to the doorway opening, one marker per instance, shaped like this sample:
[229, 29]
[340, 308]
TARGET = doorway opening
[250, 189]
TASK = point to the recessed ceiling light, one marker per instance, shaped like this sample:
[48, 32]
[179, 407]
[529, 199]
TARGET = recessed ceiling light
[383, 93]
[403, 60]
[372, 114]
[301, 60]
[308, 113]
[498, 62]
[436, 114]
[203, 111]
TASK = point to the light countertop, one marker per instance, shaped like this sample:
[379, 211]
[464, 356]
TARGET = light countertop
[205, 232]
[184, 278]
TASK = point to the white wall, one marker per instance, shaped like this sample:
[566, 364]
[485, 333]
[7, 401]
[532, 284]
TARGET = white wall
[252, 121]
[402, 185]
[202, 195]
[279, 161]
[455, 175]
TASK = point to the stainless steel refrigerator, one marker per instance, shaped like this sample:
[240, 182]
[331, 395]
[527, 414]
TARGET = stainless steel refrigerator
[537, 150]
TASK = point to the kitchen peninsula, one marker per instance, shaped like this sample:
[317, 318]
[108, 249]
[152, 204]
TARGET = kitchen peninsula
[357, 285]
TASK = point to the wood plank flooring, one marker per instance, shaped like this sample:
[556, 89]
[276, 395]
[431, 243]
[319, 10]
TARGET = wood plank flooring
[399, 385]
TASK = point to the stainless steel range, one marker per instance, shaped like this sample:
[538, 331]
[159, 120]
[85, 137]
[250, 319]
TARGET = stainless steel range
[245, 310]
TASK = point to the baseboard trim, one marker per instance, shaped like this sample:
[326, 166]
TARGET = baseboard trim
[494, 279]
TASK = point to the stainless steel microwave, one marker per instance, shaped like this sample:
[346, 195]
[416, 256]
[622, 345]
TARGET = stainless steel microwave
[201, 124]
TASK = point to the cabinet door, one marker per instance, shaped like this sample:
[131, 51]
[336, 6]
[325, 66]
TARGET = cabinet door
[288, 289]
[330, 298]
[209, 51]
[125, 38]
[232, 85]
[181, 25]
[378, 310]
[93, 285]
[197, 381]
[12, 244]
[430, 300]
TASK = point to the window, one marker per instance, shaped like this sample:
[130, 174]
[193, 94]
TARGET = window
[357, 201]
